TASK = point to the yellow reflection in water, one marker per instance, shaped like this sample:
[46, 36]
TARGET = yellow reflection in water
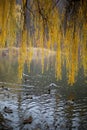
[43, 27]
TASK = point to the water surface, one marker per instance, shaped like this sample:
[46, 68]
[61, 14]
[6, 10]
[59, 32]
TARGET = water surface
[52, 104]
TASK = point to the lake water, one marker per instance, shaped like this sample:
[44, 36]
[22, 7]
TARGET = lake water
[52, 104]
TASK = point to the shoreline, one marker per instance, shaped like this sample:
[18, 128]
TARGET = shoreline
[37, 52]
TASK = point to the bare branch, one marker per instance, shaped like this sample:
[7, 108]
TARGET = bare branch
[30, 10]
[55, 4]
[41, 11]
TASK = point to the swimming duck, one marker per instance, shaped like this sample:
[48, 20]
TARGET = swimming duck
[7, 110]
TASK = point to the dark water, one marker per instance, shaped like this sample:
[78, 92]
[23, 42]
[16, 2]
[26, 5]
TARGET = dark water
[53, 105]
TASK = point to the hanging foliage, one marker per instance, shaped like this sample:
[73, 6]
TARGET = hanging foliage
[41, 23]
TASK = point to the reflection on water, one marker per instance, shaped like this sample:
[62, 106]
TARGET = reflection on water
[44, 58]
[64, 34]
[53, 105]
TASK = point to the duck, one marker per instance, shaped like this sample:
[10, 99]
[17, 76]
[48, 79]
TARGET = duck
[7, 110]
[4, 88]
[1, 118]
[52, 88]
[52, 85]
[28, 120]
[70, 102]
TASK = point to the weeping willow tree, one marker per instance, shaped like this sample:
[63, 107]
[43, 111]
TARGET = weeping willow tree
[55, 25]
